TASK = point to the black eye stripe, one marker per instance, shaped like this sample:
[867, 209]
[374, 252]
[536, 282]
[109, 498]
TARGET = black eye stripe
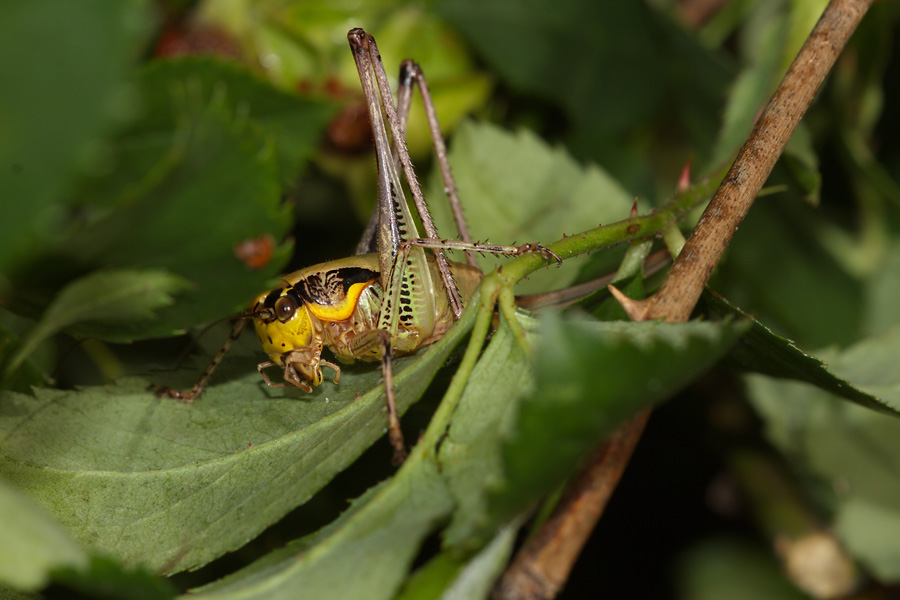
[271, 303]
[273, 297]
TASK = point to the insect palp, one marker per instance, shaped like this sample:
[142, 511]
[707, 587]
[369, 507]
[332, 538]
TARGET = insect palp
[335, 368]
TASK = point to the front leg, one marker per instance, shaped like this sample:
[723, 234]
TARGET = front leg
[290, 376]
[194, 392]
[302, 368]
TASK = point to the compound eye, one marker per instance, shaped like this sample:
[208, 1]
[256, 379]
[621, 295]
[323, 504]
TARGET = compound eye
[285, 307]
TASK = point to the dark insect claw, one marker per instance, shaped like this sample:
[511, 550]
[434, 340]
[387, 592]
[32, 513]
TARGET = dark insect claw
[162, 391]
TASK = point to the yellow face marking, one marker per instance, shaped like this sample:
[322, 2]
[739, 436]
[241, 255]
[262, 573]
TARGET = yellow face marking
[345, 308]
[277, 338]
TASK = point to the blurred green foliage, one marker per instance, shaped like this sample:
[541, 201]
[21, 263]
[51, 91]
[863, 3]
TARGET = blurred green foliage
[144, 146]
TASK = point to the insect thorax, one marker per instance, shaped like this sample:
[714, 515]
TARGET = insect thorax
[335, 303]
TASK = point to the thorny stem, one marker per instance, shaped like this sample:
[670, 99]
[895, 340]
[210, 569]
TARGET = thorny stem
[507, 302]
[540, 560]
[496, 287]
[635, 228]
[482, 323]
[683, 285]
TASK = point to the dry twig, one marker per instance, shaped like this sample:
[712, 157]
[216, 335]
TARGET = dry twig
[542, 566]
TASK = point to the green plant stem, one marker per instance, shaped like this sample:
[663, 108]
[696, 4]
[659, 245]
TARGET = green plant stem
[507, 302]
[812, 557]
[683, 285]
[477, 316]
[497, 286]
[634, 260]
[640, 227]
[685, 281]
[674, 240]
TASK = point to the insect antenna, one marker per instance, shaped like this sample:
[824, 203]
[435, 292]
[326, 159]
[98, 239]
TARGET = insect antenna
[559, 299]
[195, 339]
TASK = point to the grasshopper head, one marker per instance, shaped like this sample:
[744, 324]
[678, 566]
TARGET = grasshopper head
[284, 324]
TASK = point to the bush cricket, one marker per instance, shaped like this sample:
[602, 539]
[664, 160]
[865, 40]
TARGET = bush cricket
[399, 292]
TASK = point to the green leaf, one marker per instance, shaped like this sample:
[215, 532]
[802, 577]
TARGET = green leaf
[612, 66]
[803, 164]
[60, 96]
[726, 568]
[869, 364]
[852, 451]
[803, 17]
[208, 146]
[294, 125]
[768, 49]
[172, 486]
[451, 577]
[432, 579]
[26, 375]
[8, 594]
[32, 543]
[108, 304]
[882, 311]
[218, 171]
[752, 88]
[506, 183]
[763, 351]
[272, 563]
[303, 44]
[104, 578]
[779, 270]
[367, 555]
[476, 579]
[471, 453]
[347, 559]
[591, 376]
